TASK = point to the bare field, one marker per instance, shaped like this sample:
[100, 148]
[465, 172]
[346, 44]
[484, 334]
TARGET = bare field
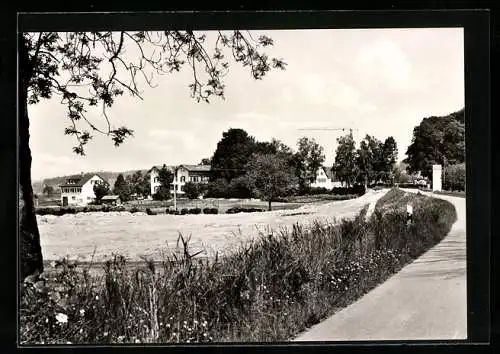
[80, 236]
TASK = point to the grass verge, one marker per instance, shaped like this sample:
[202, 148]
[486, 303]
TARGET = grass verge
[271, 289]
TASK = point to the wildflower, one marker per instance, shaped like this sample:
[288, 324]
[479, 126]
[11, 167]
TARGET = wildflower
[81, 330]
[205, 334]
[121, 338]
[97, 297]
[82, 312]
[105, 334]
[68, 342]
[137, 341]
[195, 322]
[61, 318]
[167, 325]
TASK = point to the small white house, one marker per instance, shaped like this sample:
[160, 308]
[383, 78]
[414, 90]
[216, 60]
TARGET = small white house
[182, 175]
[325, 178]
[79, 190]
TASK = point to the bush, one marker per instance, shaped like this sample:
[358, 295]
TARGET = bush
[195, 211]
[192, 190]
[118, 208]
[357, 189]
[235, 210]
[454, 178]
[150, 212]
[184, 211]
[218, 189]
[134, 210]
[240, 187]
[210, 211]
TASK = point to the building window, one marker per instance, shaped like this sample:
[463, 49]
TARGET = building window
[155, 180]
[321, 180]
[183, 178]
[73, 197]
[182, 188]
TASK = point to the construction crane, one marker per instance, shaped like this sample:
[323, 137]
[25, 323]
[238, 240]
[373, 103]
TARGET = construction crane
[334, 129]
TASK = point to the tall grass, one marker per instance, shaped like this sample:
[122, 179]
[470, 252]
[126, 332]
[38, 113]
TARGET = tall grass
[270, 289]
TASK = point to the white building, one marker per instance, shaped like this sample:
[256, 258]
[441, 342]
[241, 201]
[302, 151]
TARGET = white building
[182, 175]
[79, 190]
[325, 178]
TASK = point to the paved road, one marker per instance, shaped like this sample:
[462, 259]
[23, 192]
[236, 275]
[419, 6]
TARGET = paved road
[426, 300]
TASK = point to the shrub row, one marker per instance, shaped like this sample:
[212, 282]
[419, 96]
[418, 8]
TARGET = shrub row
[243, 210]
[58, 211]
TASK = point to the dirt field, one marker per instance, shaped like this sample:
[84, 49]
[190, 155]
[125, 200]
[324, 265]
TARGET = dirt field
[136, 235]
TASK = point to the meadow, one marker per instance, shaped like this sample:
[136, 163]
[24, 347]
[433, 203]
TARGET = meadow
[97, 235]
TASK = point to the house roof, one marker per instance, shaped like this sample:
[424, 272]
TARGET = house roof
[110, 197]
[197, 168]
[81, 179]
[159, 167]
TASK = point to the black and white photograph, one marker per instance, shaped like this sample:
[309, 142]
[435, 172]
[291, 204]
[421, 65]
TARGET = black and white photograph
[242, 186]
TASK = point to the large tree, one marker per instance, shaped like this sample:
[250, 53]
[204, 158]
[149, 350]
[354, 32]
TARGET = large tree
[89, 70]
[139, 183]
[48, 190]
[389, 157]
[437, 140]
[345, 160]
[310, 156]
[270, 176]
[232, 154]
[122, 188]
[165, 177]
[100, 190]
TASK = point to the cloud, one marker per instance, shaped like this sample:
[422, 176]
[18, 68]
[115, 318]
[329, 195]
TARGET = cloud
[383, 63]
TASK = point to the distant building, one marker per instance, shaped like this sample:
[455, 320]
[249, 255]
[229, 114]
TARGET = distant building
[78, 190]
[111, 200]
[325, 178]
[182, 175]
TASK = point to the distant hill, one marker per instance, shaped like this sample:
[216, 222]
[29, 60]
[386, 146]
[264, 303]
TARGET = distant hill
[109, 176]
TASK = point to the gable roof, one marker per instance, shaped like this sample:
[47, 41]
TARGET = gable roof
[110, 197]
[81, 179]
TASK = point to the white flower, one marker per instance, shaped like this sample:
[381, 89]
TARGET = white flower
[62, 318]
[97, 297]
[82, 312]
[137, 341]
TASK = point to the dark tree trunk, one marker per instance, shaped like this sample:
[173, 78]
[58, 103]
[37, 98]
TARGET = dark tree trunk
[30, 251]
[269, 208]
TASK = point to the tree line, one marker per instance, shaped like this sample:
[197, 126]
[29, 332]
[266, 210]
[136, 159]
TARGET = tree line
[374, 161]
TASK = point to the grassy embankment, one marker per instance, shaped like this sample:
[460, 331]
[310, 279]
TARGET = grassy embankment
[270, 290]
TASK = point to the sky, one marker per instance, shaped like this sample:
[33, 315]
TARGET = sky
[381, 82]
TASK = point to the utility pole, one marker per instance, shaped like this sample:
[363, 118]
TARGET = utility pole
[175, 188]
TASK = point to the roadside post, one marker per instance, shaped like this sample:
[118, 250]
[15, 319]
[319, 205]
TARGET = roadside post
[409, 214]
